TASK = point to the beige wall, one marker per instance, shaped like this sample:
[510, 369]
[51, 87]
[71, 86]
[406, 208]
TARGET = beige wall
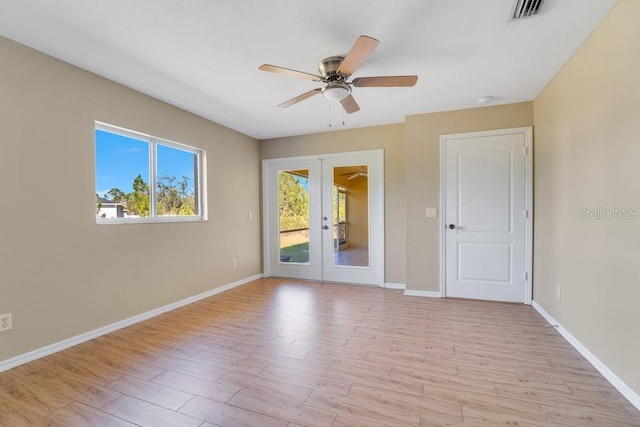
[391, 139]
[61, 274]
[587, 156]
[422, 154]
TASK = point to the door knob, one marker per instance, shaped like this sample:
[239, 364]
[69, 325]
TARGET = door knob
[452, 227]
[325, 227]
[324, 218]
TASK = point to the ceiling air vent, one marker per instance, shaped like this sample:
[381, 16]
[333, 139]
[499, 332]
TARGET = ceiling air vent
[526, 9]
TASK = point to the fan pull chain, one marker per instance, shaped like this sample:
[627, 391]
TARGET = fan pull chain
[332, 114]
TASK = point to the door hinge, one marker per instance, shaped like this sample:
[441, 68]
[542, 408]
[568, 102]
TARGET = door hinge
[526, 276]
[526, 151]
[526, 213]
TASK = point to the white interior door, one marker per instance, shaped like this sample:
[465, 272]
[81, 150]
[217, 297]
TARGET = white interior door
[486, 215]
[324, 217]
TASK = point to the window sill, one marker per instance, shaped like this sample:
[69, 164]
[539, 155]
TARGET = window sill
[157, 220]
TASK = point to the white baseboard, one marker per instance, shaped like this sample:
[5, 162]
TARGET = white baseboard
[427, 294]
[395, 286]
[78, 339]
[624, 389]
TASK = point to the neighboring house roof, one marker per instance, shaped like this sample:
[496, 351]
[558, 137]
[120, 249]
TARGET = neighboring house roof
[103, 200]
[106, 202]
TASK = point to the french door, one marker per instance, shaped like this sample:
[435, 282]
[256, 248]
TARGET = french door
[323, 217]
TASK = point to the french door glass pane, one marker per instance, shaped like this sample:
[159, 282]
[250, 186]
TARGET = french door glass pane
[293, 194]
[351, 216]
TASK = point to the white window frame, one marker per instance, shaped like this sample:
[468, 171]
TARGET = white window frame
[200, 176]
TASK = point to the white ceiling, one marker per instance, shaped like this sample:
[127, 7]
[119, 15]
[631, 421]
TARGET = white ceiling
[203, 55]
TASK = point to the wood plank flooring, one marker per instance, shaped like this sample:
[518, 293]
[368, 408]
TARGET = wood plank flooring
[355, 257]
[279, 352]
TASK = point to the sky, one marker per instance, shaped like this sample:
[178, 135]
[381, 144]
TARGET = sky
[119, 159]
[304, 182]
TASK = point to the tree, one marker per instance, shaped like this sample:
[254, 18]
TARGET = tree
[137, 201]
[175, 197]
[116, 195]
[294, 202]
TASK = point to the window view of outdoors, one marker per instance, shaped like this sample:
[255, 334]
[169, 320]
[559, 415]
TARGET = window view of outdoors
[123, 182]
[175, 173]
[293, 190]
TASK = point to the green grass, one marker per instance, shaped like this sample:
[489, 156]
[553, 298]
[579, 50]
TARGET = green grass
[298, 253]
[295, 245]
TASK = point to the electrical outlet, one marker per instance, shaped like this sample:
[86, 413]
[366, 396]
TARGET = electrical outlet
[5, 322]
[558, 292]
[234, 264]
[250, 215]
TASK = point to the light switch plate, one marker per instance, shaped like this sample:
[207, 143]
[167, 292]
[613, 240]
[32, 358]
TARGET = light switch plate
[432, 212]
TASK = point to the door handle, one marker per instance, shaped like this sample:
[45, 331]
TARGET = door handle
[452, 227]
[325, 227]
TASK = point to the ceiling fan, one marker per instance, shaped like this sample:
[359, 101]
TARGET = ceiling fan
[335, 72]
[356, 174]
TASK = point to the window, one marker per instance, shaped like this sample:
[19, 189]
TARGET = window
[140, 178]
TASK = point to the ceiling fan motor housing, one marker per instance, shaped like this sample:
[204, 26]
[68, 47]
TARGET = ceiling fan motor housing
[329, 69]
[337, 89]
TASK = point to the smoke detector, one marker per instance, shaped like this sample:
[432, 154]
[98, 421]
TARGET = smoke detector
[526, 9]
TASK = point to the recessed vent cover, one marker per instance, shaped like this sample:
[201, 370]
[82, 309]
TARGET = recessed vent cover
[526, 9]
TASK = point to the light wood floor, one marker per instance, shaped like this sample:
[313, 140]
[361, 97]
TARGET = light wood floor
[356, 257]
[284, 353]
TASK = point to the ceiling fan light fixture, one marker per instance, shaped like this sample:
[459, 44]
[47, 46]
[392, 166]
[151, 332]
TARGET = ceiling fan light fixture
[336, 91]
